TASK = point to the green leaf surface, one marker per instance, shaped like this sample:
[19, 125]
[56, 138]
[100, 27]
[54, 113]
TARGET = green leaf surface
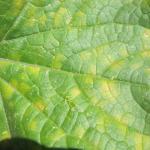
[76, 73]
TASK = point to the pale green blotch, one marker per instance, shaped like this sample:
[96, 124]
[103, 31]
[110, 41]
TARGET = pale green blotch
[62, 17]
[79, 19]
[31, 21]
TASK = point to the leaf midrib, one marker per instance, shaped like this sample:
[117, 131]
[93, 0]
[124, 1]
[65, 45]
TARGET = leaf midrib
[77, 74]
[68, 27]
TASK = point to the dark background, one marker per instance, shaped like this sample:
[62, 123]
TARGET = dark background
[25, 144]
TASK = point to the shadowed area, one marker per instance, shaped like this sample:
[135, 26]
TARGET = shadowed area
[25, 144]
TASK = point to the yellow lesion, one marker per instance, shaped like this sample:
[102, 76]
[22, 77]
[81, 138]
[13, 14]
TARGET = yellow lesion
[32, 125]
[104, 87]
[123, 130]
[4, 64]
[145, 54]
[56, 135]
[18, 3]
[114, 90]
[62, 17]
[147, 33]
[31, 19]
[80, 18]
[118, 65]
[88, 80]
[95, 101]
[75, 92]
[33, 70]
[14, 82]
[7, 91]
[40, 105]
[146, 142]
[85, 56]
[79, 131]
[5, 135]
[58, 61]
[24, 87]
[100, 125]
[15, 56]
[137, 65]
[102, 103]
[110, 92]
[92, 69]
[127, 118]
[17, 6]
[31, 22]
[138, 140]
[23, 76]
[147, 71]
[43, 19]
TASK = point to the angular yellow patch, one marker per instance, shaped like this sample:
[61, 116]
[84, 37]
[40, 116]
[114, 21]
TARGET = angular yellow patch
[88, 80]
[85, 56]
[92, 69]
[14, 82]
[94, 101]
[33, 70]
[114, 90]
[80, 18]
[145, 54]
[147, 33]
[58, 61]
[79, 132]
[136, 66]
[75, 92]
[40, 105]
[8, 91]
[62, 17]
[146, 142]
[18, 3]
[104, 87]
[5, 135]
[24, 87]
[43, 19]
[58, 134]
[15, 56]
[138, 140]
[32, 125]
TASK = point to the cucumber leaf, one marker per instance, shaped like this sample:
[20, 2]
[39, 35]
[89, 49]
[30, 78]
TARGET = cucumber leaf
[76, 73]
